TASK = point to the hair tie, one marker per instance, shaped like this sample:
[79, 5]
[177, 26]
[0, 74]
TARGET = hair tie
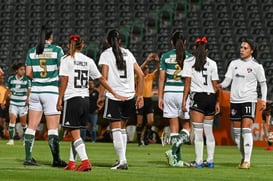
[74, 37]
[201, 40]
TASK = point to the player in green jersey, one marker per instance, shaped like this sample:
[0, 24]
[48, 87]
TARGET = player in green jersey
[42, 64]
[18, 89]
[170, 90]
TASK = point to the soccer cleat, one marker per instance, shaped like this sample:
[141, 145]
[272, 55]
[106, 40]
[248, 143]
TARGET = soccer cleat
[116, 163]
[171, 159]
[84, 166]
[269, 148]
[70, 166]
[59, 163]
[245, 165]
[201, 165]
[10, 142]
[210, 165]
[31, 162]
[120, 167]
[242, 161]
[180, 163]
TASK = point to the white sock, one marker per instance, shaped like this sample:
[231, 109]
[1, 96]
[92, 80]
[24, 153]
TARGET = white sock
[118, 145]
[124, 138]
[248, 143]
[237, 139]
[73, 153]
[80, 149]
[198, 141]
[209, 140]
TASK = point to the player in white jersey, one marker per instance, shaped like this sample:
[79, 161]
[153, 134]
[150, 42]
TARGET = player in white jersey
[201, 76]
[118, 67]
[18, 90]
[75, 71]
[245, 73]
[42, 64]
[170, 93]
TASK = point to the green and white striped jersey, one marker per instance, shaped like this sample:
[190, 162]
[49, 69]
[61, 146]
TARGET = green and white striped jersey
[45, 70]
[173, 81]
[19, 89]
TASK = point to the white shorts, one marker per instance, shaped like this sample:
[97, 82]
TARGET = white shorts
[173, 106]
[18, 110]
[44, 102]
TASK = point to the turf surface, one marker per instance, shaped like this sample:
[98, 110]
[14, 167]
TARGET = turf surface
[145, 163]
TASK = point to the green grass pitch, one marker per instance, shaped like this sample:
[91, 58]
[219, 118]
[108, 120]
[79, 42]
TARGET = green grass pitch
[145, 163]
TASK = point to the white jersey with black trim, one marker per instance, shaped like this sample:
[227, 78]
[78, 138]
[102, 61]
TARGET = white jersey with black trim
[79, 70]
[201, 81]
[121, 81]
[245, 75]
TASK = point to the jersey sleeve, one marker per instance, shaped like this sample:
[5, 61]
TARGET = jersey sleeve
[103, 59]
[187, 68]
[229, 72]
[162, 63]
[64, 68]
[214, 73]
[260, 74]
[8, 83]
[60, 54]
[131, 56]
[28, 59]
[94, 72]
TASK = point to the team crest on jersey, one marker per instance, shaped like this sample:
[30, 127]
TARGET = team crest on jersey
[233, 112]
[249, 70]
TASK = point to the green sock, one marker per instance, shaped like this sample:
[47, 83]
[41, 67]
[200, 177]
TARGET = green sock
[29, 141]
[54, 144]
[11, 132]
[175, 146]
[178, 154]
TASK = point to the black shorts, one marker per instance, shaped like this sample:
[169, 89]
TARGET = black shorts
[147, 108]
[4, 112]
[75, 112]
[118, 110]
[203, 102]
[238, 111]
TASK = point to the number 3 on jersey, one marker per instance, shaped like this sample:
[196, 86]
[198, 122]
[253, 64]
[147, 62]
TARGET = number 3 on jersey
[81, 79]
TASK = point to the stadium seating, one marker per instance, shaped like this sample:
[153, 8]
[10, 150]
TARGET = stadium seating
[145, 24]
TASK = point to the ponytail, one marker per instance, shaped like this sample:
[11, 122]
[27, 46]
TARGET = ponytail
[178, 42]
[113, 39]
[75, 43]
[200, 53]
[44, 35]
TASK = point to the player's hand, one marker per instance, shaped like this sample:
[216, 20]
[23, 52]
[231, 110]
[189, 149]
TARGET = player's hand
[122, 98]
[59, 105]
[160, 103]
[263, 105]
[100, 103]
[139, 102]
[184, 107]
[217, 108]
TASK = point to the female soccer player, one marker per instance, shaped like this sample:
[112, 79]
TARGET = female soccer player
[201, 76]
[18, 89]
[42, 64]
[118, 67]
[245, 73]
[171, 84]
[75, 71]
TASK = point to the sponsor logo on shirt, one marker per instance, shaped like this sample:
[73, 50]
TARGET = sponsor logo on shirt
[249, 70]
